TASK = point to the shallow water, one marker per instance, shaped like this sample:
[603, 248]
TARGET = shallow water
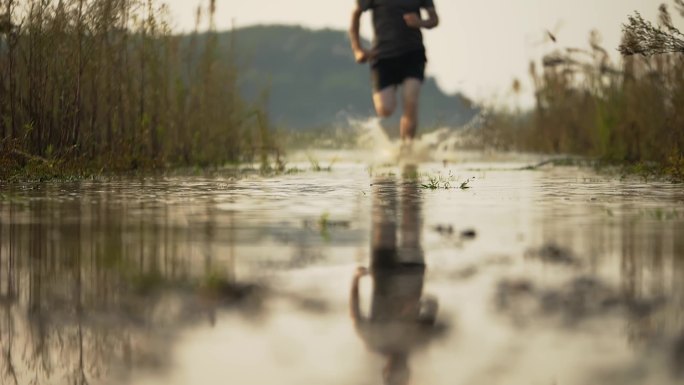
[552, 276]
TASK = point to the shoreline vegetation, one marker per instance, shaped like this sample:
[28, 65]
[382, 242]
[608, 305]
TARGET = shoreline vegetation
[630, 115]
[104, 86]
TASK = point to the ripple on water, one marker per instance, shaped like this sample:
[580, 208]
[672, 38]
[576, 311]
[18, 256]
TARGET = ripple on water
[543, 276]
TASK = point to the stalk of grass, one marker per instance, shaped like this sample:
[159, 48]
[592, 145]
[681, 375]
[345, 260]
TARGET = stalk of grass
[104, 84]
[629, 112]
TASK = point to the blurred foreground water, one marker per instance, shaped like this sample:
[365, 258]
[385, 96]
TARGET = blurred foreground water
[353, 276]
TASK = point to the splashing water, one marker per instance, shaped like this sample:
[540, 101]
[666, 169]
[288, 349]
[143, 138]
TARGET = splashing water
[439, 145]
[372, 136]
[375, 146]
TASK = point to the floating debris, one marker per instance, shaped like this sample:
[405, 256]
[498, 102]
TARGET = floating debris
[552, 253]
[465, 273]
[469, 234]
[445, 230]
[448, 231]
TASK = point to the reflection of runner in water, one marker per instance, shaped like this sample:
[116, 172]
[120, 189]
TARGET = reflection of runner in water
[400, 320]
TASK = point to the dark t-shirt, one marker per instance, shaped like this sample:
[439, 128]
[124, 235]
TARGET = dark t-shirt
[392, 36]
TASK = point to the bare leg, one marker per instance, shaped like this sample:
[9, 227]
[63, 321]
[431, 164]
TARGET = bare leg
[385, 101]
[409, 120]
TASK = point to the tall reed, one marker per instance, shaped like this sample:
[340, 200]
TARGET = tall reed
[105, 83]
[587, 104]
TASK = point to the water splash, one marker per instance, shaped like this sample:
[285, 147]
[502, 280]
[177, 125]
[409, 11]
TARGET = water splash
[439, 145]
[375, 146]
[371, 136]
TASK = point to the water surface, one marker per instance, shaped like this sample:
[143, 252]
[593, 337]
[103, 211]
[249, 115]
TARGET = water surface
[553, 276]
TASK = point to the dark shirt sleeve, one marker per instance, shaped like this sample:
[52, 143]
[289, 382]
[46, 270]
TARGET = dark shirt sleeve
[368, 4]
[427, 4]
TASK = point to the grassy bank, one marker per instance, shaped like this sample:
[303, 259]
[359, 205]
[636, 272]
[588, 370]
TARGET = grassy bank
[630, 113]
[103, 85]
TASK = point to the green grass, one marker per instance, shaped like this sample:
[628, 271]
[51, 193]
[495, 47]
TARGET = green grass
[316, 165]
[439, 182]
[433, 183]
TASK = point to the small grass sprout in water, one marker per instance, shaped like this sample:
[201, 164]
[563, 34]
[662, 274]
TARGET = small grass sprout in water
[326, 224]
[432, 183]
[323, 227]
[293, 171]
[436, 182]
[316, 165]
[213, 281]
[661, 214]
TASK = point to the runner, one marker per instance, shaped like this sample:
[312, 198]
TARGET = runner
[397, 57]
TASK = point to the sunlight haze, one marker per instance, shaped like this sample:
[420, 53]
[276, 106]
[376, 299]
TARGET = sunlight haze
[480, 46]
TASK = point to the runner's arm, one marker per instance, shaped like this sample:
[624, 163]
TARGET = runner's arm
[413, 20]
[432, 20]
[361, 55]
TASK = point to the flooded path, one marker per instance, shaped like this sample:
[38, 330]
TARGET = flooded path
[353, 276]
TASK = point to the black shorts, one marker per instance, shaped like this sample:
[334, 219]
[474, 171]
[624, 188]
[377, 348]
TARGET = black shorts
[393, 71]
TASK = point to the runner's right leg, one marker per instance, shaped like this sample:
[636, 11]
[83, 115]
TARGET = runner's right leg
[385, 101]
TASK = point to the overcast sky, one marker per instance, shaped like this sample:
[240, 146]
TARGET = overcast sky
[480, 46]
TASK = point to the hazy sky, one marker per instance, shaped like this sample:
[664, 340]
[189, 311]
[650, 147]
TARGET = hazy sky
[480, 46]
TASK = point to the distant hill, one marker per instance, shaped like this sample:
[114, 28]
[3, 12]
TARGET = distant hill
[313, 81]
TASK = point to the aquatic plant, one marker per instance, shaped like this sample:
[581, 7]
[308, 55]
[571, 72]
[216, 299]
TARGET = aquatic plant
[435, 182]
[316, 165]
[323, 220]
[432, 183]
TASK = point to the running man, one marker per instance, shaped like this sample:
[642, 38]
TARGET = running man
[397, 57]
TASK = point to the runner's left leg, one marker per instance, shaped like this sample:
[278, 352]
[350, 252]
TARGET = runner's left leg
[409, 120]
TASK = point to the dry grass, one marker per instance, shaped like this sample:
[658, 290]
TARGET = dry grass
[585, 104]
[641, 37]
[104, 83]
